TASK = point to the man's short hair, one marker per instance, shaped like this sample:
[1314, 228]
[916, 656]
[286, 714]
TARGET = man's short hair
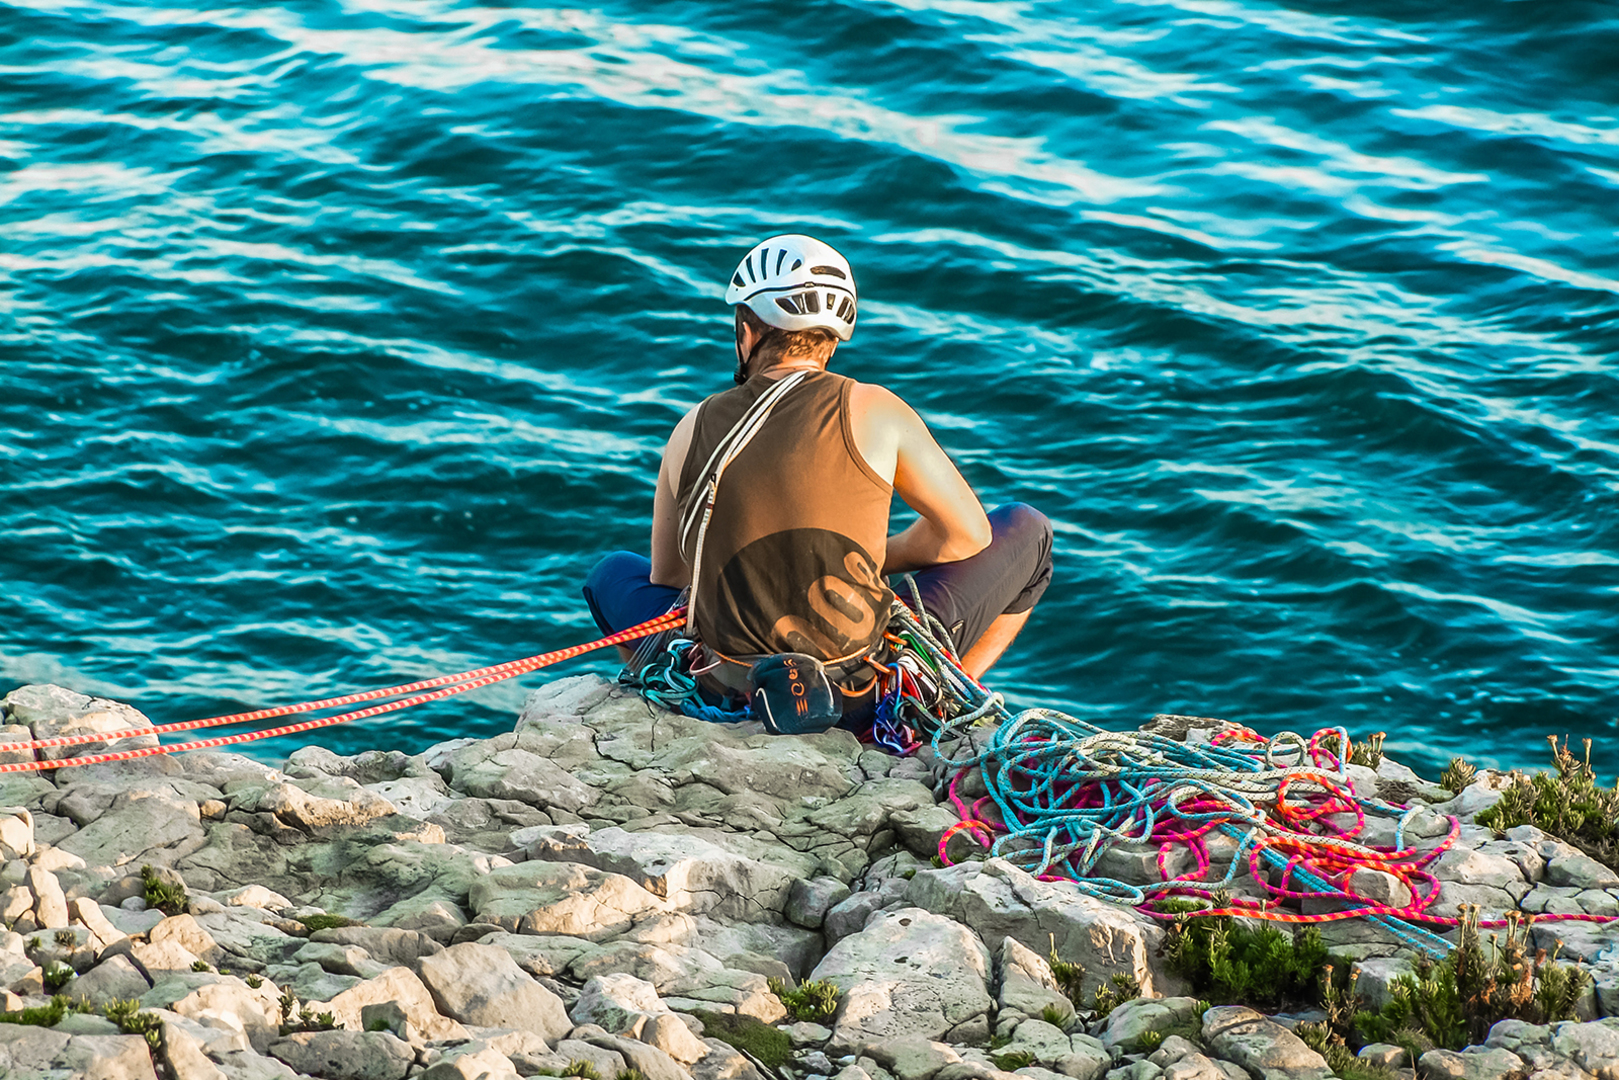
[776, 344]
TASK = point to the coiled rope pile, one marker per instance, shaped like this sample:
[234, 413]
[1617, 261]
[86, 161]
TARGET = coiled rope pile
[1063, 792]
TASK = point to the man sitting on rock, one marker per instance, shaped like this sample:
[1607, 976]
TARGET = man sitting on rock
[772, 504]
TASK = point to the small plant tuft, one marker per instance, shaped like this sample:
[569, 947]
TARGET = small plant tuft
[814, 1001]
[769, 1045]
[1055, 1016]
[1150, 1041]
[1368, 753]
[200, 965]
[159, 894]
[1319, 1036]
[302, 1018]
[1118, 989]
[1013, 1060]
[584, 1070]
[1176, 905]
[126, 1013]
[1458, 774]
[254, 981]
[630, 1074]
[1070, 976]
[55, 976]
[327, 922]
[66, 939]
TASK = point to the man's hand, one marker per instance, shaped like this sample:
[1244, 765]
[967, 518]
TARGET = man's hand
[898, 446]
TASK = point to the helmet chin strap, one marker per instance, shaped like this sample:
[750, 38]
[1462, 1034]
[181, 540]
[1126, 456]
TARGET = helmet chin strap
[740, 375]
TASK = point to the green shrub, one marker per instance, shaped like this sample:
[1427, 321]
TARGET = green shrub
[48, 1015]
[1055, 1016]
[1455, 1002]
[764, 1042]
[814, 1001]
[200, 965]
[1150, 1041]
[630, 1074]
[1567, 802]
[254, 981]
[584, 1070]
[159, 894]
[1231, 964]
[327, 922]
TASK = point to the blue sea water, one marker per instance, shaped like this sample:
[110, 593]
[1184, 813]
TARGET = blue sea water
[340, 338]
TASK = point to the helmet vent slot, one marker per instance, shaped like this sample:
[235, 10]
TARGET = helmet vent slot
[811, 302]
[846, 310]
[786, 304]
[747, 264]
[830, 271]
[736, 279]
[796, 264]
[781, 258]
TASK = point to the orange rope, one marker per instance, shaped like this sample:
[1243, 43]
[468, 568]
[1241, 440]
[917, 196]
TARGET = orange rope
[466, 680]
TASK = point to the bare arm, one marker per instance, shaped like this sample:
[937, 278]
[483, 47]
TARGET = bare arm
[668, 565]
[895, 442]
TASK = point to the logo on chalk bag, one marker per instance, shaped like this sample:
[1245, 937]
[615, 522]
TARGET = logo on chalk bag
[792, 695]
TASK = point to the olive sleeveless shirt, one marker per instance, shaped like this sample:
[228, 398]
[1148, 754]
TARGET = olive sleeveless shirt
[792, 559]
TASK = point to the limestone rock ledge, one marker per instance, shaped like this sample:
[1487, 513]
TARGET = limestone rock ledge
[577, 889]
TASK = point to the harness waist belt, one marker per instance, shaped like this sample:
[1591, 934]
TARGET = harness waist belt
[729, 674]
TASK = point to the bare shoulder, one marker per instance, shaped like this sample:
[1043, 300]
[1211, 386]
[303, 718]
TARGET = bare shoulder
[883, 425]
[679, 444]
[684, 426]
[868, 401]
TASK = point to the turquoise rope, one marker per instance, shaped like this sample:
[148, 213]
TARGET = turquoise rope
[1128, 812]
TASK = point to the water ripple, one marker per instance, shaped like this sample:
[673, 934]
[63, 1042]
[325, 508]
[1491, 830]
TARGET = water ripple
[341, 337]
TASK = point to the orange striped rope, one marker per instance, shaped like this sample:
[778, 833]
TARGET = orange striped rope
[466, 680]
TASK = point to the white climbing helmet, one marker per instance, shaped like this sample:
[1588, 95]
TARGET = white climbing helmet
[796, 282]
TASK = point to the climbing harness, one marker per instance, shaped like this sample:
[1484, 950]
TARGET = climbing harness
[451, 685]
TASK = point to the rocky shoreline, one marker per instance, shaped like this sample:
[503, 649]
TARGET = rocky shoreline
[608, 887]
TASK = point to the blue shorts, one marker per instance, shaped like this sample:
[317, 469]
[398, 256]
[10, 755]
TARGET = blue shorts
[1005, 578]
